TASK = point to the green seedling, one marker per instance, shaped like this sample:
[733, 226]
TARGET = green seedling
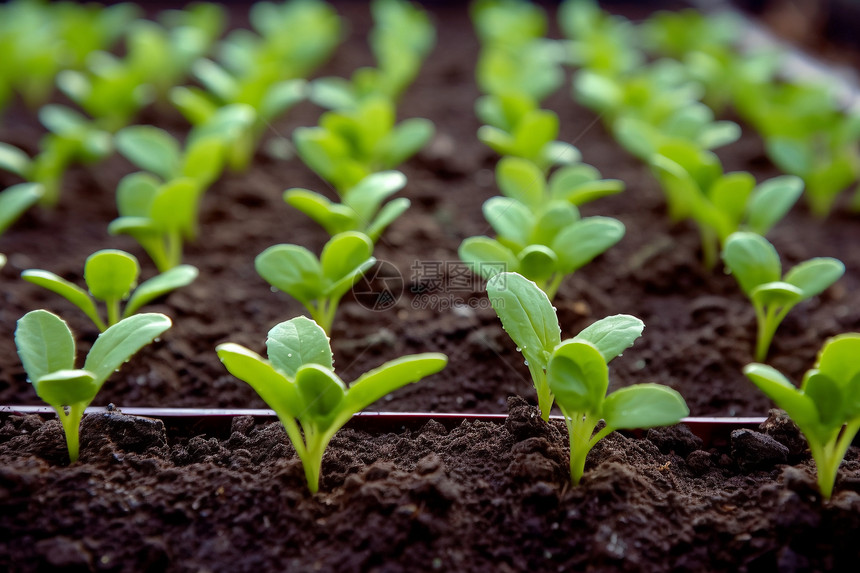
[401, 38]
[47, 350]
[361, 209]
[400, 25]
[318, 283]
[679, 33]
[72, 138]
[349, 145]
[692, 124]
[534, 70]
[508, 22]
[806, 134]
[111, 276]
[156, 151]
[539, 231]
[757, 268]
[109, 90]
[826, 407]
[574, 372]
[159, 215]
[598, 41]
[652, 93]
[517, 127]
[292, 39]
[38, 39]
[262, 96]
[299, 383]
[578, 376]
[720, 203]
[15, 200]
[162, 55]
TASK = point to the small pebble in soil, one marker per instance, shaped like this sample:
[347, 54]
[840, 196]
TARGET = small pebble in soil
[753, 450]
[783, 429]
[699, 462]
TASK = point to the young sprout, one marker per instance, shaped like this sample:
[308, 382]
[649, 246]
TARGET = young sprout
[518, 128]
[47, 350]
[757, 268]
[574, 373]
[15, 200]
[158, 152]
[361, 209]
[540, 233]
[318, 283]
[261, 97]
[349, 145]
[533, 70]
[652, 93]
[720, 203]
[162, 55]
[72, 138]
[692, 124]
[806, 134]
[299, 383]
[109, 90]
[111, 276]
[158, 215]
[154, 150]
[826, 407]
[294, 39]
[598, 41]
[401, 38]
[509, 22]
[38, 39]
[578, 376]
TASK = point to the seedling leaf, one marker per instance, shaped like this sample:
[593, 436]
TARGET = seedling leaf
[613, 335]
[121, 341]
[394, 374]
[578, 376]
[296, 342]
[68, 290]
[274, 388]
[159, 285]
[643, 406]
[111, 274]
[66, 387]
[45, 344]
[527, 316]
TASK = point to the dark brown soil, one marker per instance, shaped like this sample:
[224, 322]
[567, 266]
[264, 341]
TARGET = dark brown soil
[481, 497]
[478, 498]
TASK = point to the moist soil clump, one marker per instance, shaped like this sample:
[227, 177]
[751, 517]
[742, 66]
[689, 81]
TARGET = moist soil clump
[478, 497]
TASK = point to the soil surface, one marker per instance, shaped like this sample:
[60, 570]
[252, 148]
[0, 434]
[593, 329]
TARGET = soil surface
[480, 497]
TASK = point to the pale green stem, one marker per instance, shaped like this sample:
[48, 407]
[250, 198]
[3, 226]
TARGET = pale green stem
[553, 285]
[242, 151]
[580, 427]
[829, 457]
[174, 249]
[112, 311]
[710, 246]
[71, 422]
[544, 394]
[768, 321]
[323, 313]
